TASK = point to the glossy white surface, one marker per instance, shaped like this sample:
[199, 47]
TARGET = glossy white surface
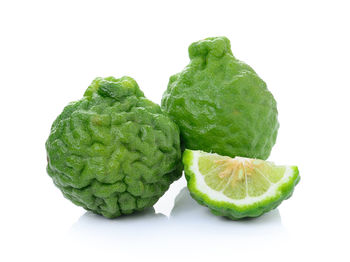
[50, 51]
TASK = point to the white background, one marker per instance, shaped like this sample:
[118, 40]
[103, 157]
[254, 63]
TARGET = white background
[52, 50]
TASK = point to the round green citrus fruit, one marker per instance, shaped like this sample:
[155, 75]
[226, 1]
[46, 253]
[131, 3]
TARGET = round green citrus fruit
[113, 152]
[220, 104]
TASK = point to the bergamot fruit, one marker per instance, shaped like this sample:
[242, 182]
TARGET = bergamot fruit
[113, 152]
[237, 187]
[220, 104]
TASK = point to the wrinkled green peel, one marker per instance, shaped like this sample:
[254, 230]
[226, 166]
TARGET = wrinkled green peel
[220, 104]
[113, 152]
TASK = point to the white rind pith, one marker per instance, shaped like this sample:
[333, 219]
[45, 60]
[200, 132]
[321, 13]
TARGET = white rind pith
[219, 196]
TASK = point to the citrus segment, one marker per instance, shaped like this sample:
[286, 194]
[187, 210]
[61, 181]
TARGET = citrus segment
[237, 187]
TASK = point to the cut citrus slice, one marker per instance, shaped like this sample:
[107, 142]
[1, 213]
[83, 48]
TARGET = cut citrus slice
[237, 187]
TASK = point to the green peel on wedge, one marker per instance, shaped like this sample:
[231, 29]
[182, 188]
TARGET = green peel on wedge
[237, 187]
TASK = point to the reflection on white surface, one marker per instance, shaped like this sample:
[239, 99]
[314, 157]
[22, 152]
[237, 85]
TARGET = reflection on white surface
[188, 222]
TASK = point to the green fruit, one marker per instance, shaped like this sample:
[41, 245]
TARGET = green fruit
[237, 187]
[113, 152]
[220, 104]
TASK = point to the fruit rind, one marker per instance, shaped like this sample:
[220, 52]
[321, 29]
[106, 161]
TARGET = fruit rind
[221, 104]
[230, 209]
[113, 152]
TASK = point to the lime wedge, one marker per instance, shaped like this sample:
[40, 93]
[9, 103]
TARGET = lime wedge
[237, 187]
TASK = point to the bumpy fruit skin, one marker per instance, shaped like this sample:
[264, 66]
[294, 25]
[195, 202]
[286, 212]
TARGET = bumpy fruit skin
[230, 210]
[113, 152]
[220, 104]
